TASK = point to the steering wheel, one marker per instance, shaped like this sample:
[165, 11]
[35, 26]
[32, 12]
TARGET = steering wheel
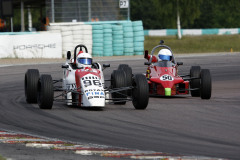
[75, 50]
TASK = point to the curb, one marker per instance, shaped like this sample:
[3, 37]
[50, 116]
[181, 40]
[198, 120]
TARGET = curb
[90, 149]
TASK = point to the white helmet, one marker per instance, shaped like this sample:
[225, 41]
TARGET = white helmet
[84, 60]
[164, 54]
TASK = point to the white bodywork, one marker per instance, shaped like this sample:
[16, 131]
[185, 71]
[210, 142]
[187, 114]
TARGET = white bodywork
[92, 87]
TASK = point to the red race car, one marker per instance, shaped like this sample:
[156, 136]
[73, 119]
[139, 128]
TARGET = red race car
[163, 78]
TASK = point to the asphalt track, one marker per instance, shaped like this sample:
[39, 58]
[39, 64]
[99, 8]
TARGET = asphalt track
[182, 124]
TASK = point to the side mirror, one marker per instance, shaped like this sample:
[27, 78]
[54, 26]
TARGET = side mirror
[65, 66]
[106, 65]
[68, 55]
[147, 63]
[179, 63]
[146, 54]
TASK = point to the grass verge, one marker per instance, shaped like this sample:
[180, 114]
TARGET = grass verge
[196, 44]
[1, 158]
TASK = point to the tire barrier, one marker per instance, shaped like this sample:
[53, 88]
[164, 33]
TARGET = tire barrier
[117, 33]
[107, 40]
[97, 36]
[67, 39]
[138, 37]
[128, 38]
[87, 37]
[103, 39]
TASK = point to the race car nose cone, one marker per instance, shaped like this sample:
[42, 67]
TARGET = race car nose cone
[167, 91]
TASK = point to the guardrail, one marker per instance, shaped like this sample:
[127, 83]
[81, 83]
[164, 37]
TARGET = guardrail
[194, 32]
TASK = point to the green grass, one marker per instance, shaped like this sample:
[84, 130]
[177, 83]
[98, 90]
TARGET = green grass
[1, 158]
[196, 44]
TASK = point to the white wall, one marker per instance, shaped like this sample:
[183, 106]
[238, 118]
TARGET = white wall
[47, 45]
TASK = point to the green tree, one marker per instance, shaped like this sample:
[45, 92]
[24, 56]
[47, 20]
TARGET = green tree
[159, 14]
[189, 11]
[223, 14]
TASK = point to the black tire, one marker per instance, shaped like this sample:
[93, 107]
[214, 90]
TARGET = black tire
[31, 85]
[75, 98]
[206, 84]
[195, 83]
[122, 65]
[140, 91]
[45, 92]
[128, 74]
[117, 81]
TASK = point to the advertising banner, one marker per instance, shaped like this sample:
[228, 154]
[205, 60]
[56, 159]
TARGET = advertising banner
[47, 45]
[6, 46]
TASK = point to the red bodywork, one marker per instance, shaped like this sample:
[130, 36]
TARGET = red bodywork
[81, 73]
[162, 78]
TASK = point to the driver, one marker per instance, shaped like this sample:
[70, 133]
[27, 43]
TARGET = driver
[164, 55]
[84, 60]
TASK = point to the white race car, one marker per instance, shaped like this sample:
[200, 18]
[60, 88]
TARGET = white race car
[83, 84]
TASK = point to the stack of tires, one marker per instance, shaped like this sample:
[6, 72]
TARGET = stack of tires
[67, 39]
[117, 40]
[97, 36]
[107, 40]
[54, 29]
[77, 35]
[87, 37]
[138, 37]
[128, 39]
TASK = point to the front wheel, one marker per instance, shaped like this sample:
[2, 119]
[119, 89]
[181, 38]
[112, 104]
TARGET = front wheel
[45, 92]
[30, 85]
[206, 84]
[195, 83]
[140, 92]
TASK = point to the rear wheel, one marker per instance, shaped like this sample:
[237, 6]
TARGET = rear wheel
[45, 92]
[195, 83]
[128, 74]
[122, 65]
[140, 92]
[206, 84]
[31, 85]
[117, 81]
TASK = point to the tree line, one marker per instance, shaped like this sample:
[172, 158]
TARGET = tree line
[162, 14]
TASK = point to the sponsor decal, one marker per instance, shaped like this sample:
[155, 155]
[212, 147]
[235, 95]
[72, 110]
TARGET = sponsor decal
[94, 93]
[71, 86]
[166, 77]
[91, 81]
[34, 46]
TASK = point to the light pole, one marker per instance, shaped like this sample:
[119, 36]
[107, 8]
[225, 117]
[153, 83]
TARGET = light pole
[89, 11]
[178, 22]
[53, 11]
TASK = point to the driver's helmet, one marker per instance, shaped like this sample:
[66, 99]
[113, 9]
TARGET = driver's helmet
[164, 55]
[84, 60]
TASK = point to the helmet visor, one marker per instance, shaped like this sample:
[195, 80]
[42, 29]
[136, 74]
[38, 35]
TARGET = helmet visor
[86, 61]
[164, 57]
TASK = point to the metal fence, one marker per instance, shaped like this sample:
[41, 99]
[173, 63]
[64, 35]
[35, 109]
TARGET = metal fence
[85, 10]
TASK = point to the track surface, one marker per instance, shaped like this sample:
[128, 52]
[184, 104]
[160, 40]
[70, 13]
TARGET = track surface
[183, 124]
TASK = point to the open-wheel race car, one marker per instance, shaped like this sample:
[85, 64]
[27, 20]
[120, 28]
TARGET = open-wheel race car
[164, 80]
[83, 84]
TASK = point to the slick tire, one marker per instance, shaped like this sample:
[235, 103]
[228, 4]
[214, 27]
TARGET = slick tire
[206, 84]
[31, 85]
[140, 92]
[117, 81]
[195, 83]
[45, 92]
[128, 76]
